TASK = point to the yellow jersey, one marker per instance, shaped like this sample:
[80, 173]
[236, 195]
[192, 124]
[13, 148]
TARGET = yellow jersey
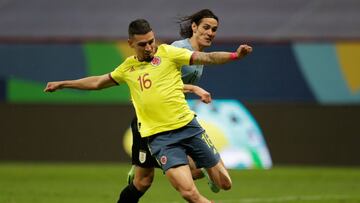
[156, 89]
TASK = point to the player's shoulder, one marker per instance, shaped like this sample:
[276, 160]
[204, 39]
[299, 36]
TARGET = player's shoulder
[166, 48]
[128, 62]
[131, 60]
[184, 43]
[169, 51]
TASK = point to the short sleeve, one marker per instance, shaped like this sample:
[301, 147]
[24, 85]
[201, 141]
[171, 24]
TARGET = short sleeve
[177, 44]
[117, 74]
[180, 56]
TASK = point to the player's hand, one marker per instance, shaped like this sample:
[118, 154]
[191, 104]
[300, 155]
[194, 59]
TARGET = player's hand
[206, 98]
[52, 86]
[243, 50]
[204, 95]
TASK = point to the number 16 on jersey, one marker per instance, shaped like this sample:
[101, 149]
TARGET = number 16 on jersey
[144, 81]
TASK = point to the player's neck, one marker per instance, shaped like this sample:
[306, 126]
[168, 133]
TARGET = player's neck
[195, 45]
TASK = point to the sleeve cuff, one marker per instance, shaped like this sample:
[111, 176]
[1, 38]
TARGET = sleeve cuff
[113, 79]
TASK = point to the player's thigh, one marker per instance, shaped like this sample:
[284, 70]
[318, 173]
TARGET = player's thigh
[180, 177]
[143, 178]
[195, 172]
[141, 173]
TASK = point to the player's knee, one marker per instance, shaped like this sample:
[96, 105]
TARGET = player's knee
[143, 183]
[191, 194]
[225, 184]
[196, 174]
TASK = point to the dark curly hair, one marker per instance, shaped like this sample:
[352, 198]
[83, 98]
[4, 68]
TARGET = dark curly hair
[186, 21]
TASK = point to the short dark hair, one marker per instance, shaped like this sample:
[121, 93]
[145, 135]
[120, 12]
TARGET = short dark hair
[139, 27]
[186, 21]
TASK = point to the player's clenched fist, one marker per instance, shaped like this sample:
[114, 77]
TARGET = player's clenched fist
[243, 50]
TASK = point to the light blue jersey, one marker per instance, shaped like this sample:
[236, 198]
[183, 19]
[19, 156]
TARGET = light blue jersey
[190, 74]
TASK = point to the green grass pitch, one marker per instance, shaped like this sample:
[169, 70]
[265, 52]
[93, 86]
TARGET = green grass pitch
[97, 183]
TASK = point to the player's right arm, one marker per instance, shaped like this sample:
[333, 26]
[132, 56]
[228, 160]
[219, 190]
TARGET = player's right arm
[87, 83]
[220, 57]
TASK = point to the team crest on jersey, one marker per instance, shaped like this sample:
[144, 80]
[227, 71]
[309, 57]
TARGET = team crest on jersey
[132, 69]
[156, 61]
[142, 157]
[163, 160]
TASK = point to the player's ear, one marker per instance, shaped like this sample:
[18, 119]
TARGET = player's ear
[131, 42]
[194, 27]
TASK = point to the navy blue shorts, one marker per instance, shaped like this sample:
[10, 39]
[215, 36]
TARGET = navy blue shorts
[172, 147]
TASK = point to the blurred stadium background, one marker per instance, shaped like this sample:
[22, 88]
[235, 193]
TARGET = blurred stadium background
[301, 84]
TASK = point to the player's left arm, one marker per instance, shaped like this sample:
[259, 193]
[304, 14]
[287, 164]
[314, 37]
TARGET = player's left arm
[220, 57]
[203, 94]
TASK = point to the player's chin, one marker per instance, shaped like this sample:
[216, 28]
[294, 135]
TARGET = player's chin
[207, 43]
[148, 58]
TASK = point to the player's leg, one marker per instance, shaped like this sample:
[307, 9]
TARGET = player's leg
[181, 179]
[130, 194]
[206, 156]
[168, 149]
[195, 172]
[216, 170]
[220, 176]
[142, 172]
[201, 173]
[143, 178]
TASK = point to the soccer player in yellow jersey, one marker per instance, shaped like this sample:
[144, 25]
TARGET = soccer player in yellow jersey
[154, 78]
[198, 30]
